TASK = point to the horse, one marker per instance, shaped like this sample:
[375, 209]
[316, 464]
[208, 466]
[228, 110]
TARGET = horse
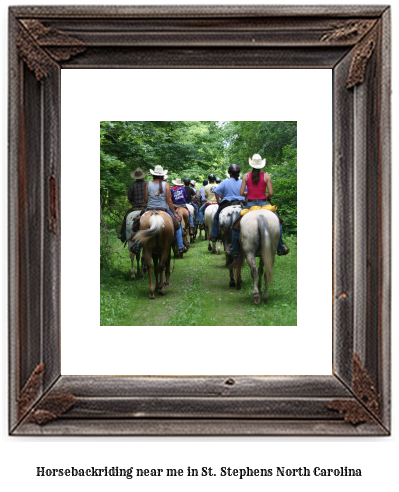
[193, 234]
[259, 236]
[156, 236]
[209, 214]
[185, 218]
[129, 238]
[226, 219]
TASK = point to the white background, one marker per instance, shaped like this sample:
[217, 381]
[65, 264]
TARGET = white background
[195, 95]
[377, 457]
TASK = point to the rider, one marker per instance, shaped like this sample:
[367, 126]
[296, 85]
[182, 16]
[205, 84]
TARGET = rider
[190, 192]
[257, 183]
[209, 193]
[158, 196]
[135, 195]
[230, 190]
[179, 198]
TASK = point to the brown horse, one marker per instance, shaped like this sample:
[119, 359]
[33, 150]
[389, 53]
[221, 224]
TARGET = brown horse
[156, 236]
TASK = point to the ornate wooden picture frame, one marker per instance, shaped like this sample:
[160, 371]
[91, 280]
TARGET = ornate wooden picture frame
[352, 41]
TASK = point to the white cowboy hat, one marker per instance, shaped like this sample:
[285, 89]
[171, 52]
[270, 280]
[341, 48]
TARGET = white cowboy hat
[193, 182]
[178, 182]
[256, 162]
[159, 171]
[165, 178]
[138, 174]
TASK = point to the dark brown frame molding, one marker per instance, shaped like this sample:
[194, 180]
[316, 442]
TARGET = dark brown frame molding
[353, 41]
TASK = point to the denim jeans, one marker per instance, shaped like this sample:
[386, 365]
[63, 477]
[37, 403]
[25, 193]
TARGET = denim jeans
[178, 233]
[201, 213]
[196, 215]
[191, 219]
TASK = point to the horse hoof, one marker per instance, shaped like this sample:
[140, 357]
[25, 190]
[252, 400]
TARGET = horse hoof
[232, 283]
[257, 299]
[132, 277]
[209, 248]
[238, 287]
[161, 292]
[166, 284]
[151, 296]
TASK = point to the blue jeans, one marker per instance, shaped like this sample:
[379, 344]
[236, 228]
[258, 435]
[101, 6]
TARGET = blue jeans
[195, 210]
[191, 219]
[178, 233]
[201, 213]
[235, 235]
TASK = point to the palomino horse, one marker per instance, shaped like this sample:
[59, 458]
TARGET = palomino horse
[185, 221]
[260, 234]
[208, 223]
[156, 236]
[129, 237]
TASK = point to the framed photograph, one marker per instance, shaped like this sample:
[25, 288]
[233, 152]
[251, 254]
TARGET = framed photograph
[353, 42]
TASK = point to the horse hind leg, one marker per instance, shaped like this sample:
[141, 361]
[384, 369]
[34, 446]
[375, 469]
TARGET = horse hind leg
[240, 261]
[161, 268]
[254, 272]
[149, 268]
[132, 255]
[260, 274]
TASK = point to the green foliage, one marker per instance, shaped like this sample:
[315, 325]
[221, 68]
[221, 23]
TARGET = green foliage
[284, 180]
[194, 149]
[267, 138]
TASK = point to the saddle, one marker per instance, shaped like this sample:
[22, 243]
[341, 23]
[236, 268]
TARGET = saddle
[136, 221]
[207, 204]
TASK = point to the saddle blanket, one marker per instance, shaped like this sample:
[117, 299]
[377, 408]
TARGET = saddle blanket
[272, 208]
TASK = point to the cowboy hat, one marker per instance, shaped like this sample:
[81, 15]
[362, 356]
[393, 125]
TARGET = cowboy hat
[159, 171]
[178, 182]
[256, 162]
[138, 174]
[165, 178]
[193, 182]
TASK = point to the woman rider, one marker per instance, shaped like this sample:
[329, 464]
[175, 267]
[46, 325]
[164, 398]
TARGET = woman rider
[179, 198]
[257, 183]
[158, 196]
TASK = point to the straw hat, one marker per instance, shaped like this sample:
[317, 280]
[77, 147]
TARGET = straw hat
[256, 162]
[178, 182]
[138, 174]
[193, 182]
[159, 171]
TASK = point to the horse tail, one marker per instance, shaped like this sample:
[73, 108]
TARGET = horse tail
[156, 224]
[266, 247]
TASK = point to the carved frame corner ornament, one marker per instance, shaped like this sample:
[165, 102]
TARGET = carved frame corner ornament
[38, 45]
[354, 43]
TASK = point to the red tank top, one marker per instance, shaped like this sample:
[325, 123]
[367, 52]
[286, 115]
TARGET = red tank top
[258, 191]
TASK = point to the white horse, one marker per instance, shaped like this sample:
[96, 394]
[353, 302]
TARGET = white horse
[259, 236]
[208, 223]
[194, 234]
[129, 236]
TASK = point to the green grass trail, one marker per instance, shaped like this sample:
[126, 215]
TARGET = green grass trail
[199, 293]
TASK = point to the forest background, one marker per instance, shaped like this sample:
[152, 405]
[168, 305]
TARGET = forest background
[194, 149]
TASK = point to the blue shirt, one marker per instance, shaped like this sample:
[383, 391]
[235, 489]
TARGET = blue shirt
[230, 189]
